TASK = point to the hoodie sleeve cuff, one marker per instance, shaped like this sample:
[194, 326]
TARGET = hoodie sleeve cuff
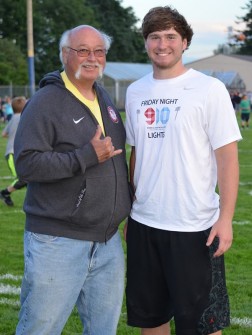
[86, 156]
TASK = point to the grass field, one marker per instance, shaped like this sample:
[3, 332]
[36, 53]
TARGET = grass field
[238, 258]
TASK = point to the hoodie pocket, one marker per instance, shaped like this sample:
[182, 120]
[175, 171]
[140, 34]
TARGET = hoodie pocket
[95, 202]
[81, 195]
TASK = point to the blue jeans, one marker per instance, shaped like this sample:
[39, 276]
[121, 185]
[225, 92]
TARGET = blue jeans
[61, 272]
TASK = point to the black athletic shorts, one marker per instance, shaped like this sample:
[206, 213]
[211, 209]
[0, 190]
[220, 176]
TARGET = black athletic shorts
[245, 116]
[174, 275]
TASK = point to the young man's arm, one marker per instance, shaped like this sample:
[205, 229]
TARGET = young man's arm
[228, 182]
[132, 162]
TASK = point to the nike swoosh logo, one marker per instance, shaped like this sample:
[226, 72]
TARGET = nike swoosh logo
[77, 121]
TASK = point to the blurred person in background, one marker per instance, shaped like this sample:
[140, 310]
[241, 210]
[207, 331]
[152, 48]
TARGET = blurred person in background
[7, 108]
[236, 101]
[9, 132]
[2, 119]
[245, 110]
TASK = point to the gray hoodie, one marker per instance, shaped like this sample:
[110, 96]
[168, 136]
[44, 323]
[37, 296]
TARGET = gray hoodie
[69, 193]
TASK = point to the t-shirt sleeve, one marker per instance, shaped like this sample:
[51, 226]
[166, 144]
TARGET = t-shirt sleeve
[222, 125]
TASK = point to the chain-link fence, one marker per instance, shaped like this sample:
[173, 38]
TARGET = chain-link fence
[117, 93]
[13, 91]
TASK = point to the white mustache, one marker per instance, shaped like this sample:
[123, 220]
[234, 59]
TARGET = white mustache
[78, 72]
[90, 64]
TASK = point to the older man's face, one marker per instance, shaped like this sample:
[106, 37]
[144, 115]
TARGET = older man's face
[87, 61]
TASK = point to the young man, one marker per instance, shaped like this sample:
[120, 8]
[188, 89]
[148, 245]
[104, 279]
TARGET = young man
[183, 132]
[9, 132]
[70, 147]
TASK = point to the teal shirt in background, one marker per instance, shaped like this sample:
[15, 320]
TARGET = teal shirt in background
[245, 106]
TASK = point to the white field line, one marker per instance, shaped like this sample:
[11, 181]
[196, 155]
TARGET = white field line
[242, 223]
[243, 183]
[9, 302]
[9, 289]
[245, 150]
[242, 322]
[10, 276]
[15, 211]
[13, 290]
[6, 177]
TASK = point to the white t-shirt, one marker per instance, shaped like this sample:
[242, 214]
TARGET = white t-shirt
[175, 126]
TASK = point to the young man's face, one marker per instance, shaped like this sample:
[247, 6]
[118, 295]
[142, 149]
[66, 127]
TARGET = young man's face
[165, 48]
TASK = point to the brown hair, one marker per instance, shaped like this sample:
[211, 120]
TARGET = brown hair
[18, 104]
[163, 18]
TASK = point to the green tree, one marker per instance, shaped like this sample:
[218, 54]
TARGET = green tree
[13, 65]
[244, 38]
[120, 23]
[13, 21]
[52, 18]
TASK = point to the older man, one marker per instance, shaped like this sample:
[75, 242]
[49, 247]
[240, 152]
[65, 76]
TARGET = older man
[69, 147]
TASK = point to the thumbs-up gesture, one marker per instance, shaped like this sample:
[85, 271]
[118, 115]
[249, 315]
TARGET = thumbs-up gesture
[103, 147]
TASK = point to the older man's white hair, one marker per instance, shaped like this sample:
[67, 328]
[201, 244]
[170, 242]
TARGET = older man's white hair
[65, 40]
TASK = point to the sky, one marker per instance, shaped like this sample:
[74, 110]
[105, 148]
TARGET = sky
[209, 20]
